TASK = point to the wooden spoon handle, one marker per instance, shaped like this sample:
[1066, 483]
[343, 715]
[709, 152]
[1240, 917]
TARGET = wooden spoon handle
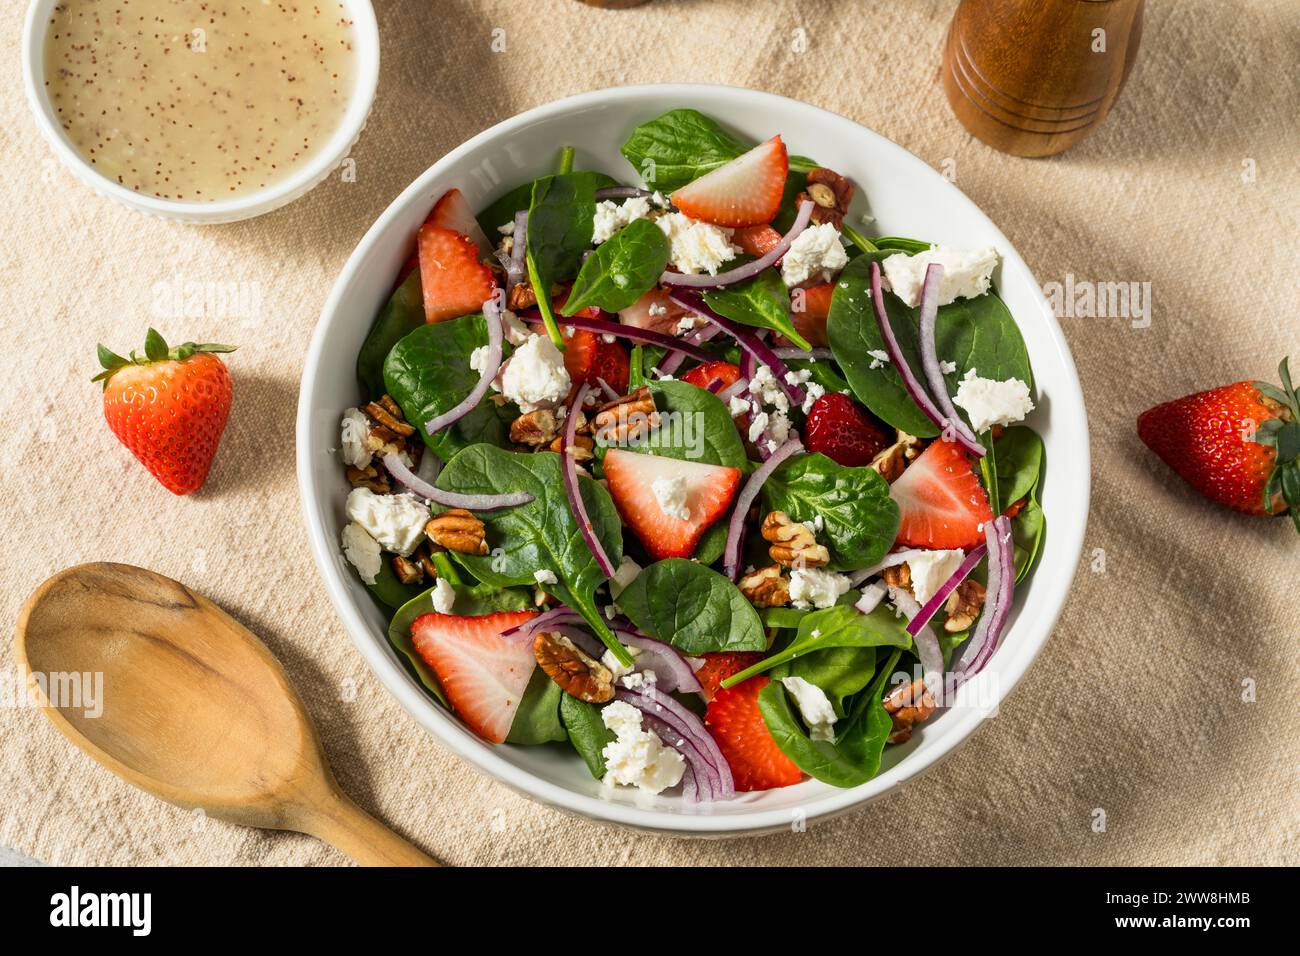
[345, 826]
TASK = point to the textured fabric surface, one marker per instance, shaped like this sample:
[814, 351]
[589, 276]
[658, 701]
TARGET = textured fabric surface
[1134, 708]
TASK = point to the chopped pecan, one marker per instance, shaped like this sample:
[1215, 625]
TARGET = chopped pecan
[385, 411]
[458, 530]
[521, 297]
[538, 427]
[889, 464]
[407, 571]
[898, 576]
[583, 447]
[369, 477]
[627, 418]
[963, 606]
[767, 587]
[569, 666]
[831, 194]
[793, 545]
[907, 705]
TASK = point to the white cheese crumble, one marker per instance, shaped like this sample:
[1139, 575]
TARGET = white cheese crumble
[617, 669]
[696, 246]
[611, 217]
[362, 551]
[768, 390]
[352, 437]
[879, 358]
[657, 308]
[515, 330]
[966, 273]
[757, 426]
[814, 706]
[395, 521]
[930, 570]
[813, 587]
[990, 402]
[506, 229]
[443, 597]
[535, 376]
[812, 392]
[737, 406]
[947, 367]
[545, 577]
[671, 495]
[637, 757]
[815, 253]
[623, 576]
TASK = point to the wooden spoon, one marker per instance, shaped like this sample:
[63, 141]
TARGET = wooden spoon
[195, 710]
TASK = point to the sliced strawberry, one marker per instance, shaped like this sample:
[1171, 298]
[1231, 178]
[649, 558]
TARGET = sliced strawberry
[735, 722]
[452, 212]
[482, 674]
[719, 665]
[844, 431]
[744, 192]
[655, 311]
[812, 306]
[709, 490]
[758, 241]
[589, 358]
[1015, 508]
[940, 501]
[455, 283]
[718, 374]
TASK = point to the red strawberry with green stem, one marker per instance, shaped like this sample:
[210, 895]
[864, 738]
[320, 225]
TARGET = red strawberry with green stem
[168, 407]
[1238, 445]
[843, 431]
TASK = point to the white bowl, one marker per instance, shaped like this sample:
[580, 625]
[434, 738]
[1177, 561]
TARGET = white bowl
[907, 198]
[305, 178]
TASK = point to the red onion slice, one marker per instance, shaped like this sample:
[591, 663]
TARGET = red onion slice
[706, 784]
[804, 355]
[929, 653]
[630, 332]
[450, 499]
[749, 269]
[492, 365]
[556, 615]
[690, 790]
[997, 605]
[569, 469]
[672, 672]
[929, 309]
[734, 389]
[622, 192]
[871, 597]
[910, 384]
[515, 264]
[673, 361]
[736, 527]
[931, 607]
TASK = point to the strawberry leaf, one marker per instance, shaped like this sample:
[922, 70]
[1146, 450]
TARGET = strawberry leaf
[155, 346]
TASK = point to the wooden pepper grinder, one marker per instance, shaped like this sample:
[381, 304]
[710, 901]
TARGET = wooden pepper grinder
[1034, 77]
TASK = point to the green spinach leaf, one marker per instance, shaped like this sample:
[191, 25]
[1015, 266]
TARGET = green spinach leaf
[1019, 461]
[860, 520]
[622, 269]
[695, 426]
[1028, 531]
[388, 591]
[892, 244]
[840, 626]
[678, 147]
[402, 314]
[537, 721]
[560, 214]
[587, 732]
[840, 672]
[763, 302]
[692, 607]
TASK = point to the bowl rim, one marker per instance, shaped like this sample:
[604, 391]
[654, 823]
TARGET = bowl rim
[306, 177]
[1067, 398]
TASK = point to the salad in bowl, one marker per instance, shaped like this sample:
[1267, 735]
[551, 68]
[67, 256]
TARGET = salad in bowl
[686, 471]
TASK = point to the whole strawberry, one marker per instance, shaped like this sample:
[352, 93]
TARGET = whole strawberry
[843, 431]
[168, 407]
[1238, 445]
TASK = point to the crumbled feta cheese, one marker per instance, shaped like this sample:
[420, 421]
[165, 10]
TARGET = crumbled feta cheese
[638, 679]
[611, 217]
[947, 367]
[966, 273]
[768, 390]
[535, 376]
[659, 199]
[671, 495]
[623, 576]
[813, 587]
[990, 402]
[443, 597]
[395, 521]
[687, 323]
[778, 427]
[814, 706]
[507, 230]
[352, 440]
[871, 597]
[816, 525]
[516, 332]
[879, 358]
[478, 358]
[930, 570]
[757, 425]
[799, 377]
[737, 406]
[545, 577]
[657, 309]
[637, 757]
[812, 392]
[363, 551]
[815, 253]
[617, 669]
[696, 246]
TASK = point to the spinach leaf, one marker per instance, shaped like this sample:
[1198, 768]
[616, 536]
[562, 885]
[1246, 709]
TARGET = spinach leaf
[824, 374]
[695, 426]
[1019, 461]
[542, 535]
[587, 732]
[1028, 530]
[402, 314]
[622, 269]
[980, 334]
[853, 757]
[560, 213]
[428, 372]
[388, 591]
[537, 721]
[892, 244]
[784, 618]
[712, 543]
[678, 147]
[692, 607]
[840, 672]
[762, 303]
[860, 520]
[481, 599]
[503, 208]
[840, 626]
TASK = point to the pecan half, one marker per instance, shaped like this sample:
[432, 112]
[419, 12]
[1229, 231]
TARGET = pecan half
[889, 464]
[793, 545]
[457, 530]
[569, 666]
[583, 447]
[407, 571]
[521, 297]
[370, 477]
[628, 418]
[907, 705]
[538, 427]
[384, 411]
[831, 194]
[963, 606]
[766, 587]
[898, 576]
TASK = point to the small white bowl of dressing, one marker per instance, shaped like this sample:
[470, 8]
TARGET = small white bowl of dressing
[202, 111]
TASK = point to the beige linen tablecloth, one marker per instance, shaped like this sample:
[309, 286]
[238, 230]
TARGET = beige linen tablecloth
[1165, 699]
